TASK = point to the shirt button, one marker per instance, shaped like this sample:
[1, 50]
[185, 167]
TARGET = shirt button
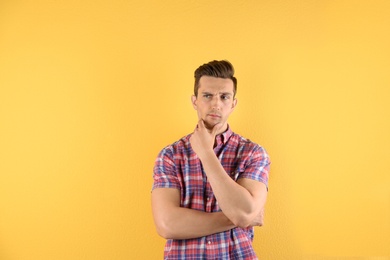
[209, 242]
[208, 198]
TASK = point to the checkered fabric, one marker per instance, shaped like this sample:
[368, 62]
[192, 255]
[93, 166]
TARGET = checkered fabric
[177, 166]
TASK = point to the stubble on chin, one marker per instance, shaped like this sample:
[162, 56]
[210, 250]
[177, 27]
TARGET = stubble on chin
[211, 125]
[208, 125]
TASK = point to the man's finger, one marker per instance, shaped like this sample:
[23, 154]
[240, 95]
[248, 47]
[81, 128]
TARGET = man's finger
[201, 124]
[216, 128]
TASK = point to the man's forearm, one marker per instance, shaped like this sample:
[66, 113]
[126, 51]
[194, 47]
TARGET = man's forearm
[235, 200]
[175, 222]
[186, 223]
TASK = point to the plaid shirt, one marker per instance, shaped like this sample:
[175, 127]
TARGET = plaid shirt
[177, 166]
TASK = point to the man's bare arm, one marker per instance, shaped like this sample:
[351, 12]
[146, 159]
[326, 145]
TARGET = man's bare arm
[175, 222]
[242, 201]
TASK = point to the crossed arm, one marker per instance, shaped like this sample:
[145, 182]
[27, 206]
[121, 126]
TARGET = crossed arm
[242, 202]
[175, 222]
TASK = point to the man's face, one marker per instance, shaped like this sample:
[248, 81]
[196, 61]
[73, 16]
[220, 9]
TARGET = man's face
[215, 101]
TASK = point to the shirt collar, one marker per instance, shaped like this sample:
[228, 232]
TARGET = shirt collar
[224, 137]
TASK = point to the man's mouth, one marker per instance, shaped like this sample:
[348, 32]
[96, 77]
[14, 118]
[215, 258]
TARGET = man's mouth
[214, 115]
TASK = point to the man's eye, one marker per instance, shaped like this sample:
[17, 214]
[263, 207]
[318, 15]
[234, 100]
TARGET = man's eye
[207, 96]
[224, 97]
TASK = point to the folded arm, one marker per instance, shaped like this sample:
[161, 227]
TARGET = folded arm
[175, 222]
[242, 201]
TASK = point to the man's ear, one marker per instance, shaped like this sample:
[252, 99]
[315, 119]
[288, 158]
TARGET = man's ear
[234, 103]
[193, 101]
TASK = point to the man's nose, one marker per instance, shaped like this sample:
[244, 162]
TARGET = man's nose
[216, 103]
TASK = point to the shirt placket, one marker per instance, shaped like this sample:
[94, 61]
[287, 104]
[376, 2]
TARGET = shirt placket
[211, 247]
[209, 195]
[211, 204]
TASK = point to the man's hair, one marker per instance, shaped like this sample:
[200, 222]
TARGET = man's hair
[219, 69]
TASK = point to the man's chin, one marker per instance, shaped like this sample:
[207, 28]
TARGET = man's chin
[210, 125]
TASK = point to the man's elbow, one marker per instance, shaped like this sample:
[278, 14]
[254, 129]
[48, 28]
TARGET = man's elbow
[164, 233]
[163, 229]
[242, 221]
[246, 220]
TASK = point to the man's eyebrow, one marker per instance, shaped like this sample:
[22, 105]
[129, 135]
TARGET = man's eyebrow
[221, 93]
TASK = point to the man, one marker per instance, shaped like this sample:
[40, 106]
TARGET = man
[210, 187]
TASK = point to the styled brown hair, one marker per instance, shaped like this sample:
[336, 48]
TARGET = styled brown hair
[219, 69]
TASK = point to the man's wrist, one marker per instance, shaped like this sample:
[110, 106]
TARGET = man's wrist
[206, 154]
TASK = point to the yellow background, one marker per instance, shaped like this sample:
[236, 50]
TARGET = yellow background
[90, 91]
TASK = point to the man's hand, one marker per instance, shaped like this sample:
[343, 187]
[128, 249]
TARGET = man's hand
[241, 201]
[202, 140]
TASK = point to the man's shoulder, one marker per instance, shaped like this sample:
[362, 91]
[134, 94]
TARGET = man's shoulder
[182, 142]
[246, 145]
[241, 140]
[180, 145]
